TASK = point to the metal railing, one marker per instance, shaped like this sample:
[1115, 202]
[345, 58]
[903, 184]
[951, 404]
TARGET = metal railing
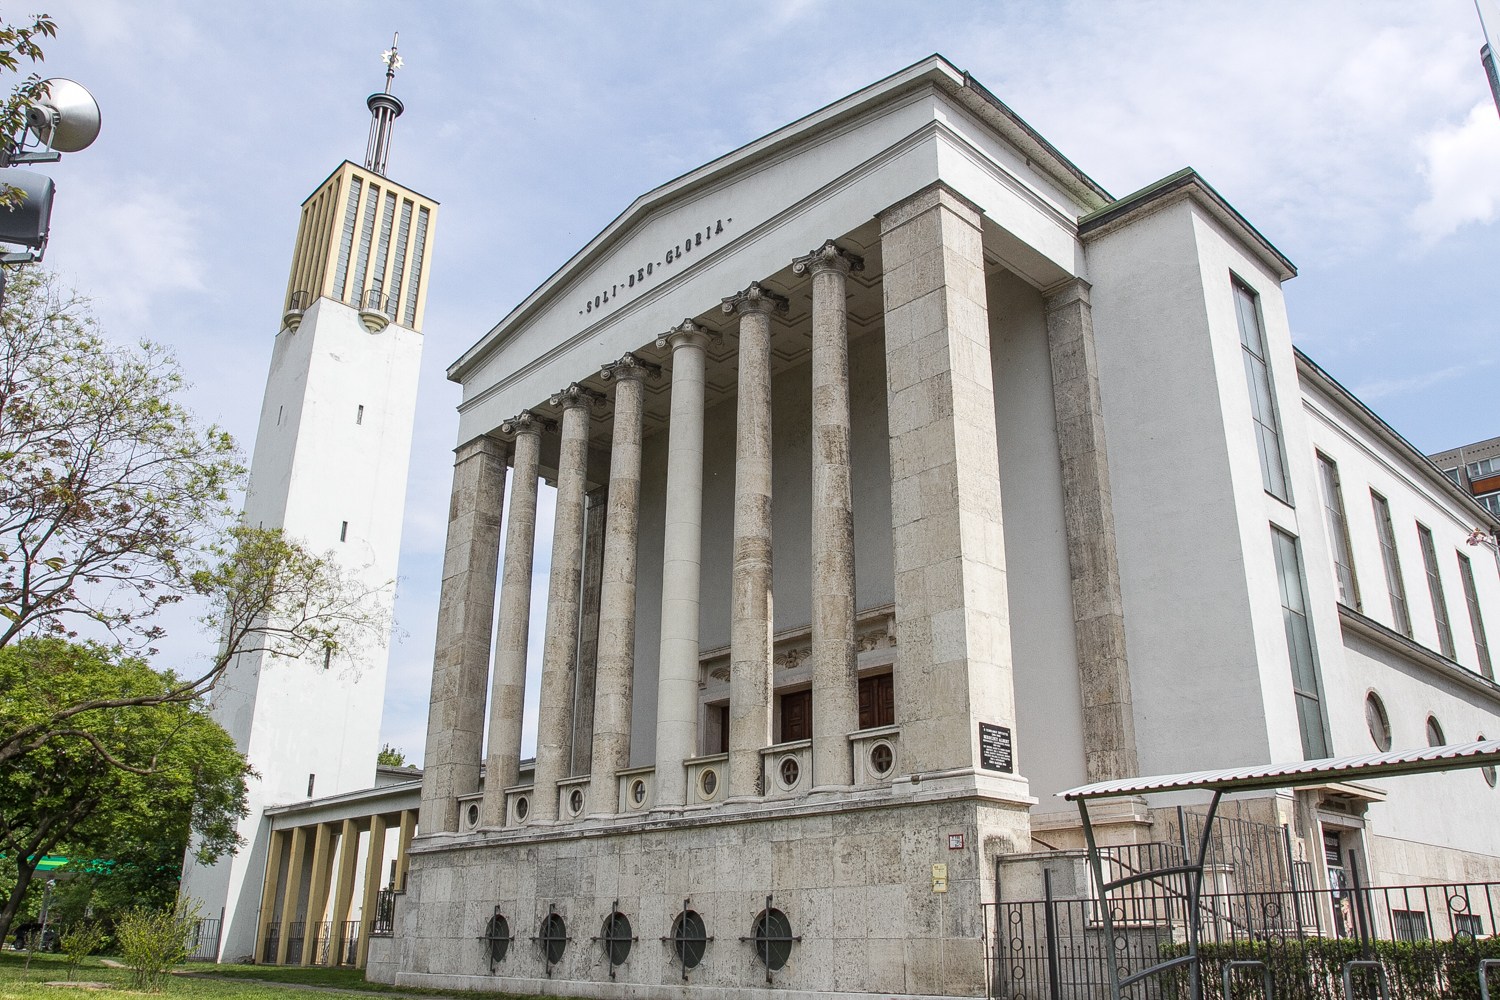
[204, 945]
[385, 914]
[348, 950]
[296, 933]
[1426, 940]
[273, 938]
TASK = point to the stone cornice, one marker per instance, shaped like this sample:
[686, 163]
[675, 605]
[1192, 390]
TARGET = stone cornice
[1186, 184]
[1354, 623]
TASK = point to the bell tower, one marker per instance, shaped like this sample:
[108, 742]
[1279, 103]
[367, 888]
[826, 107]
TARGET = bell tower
[330, 469]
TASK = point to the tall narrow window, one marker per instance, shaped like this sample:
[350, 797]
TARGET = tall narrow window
[398, 268]
[346, 239]
[359, 414]
[1476, 620]
[383, 249]
[344, 531]
[418, 248]
[1435, 588]
[1299, 646]
[1262, 400]
[1400, 614]
[362, 256]
[1338, 532]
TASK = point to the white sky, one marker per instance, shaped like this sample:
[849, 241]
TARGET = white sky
[1359, 137]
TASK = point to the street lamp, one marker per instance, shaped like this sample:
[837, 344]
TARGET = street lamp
[63, 119]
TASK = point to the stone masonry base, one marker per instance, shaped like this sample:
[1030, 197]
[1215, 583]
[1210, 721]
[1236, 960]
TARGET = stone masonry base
[855, 879]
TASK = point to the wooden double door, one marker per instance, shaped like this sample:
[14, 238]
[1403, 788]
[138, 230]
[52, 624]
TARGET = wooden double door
[877, 707]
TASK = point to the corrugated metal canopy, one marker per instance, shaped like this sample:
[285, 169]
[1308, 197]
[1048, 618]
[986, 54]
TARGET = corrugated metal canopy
[1484, 753]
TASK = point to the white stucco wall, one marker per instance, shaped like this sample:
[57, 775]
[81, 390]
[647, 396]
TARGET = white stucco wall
[317, 464]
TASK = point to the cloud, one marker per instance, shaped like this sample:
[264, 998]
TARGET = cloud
[1391, 387]
[131, 243]
[1462, 170]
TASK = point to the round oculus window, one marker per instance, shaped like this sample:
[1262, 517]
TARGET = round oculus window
[522, 808]
[497, 933]
[882, 758]
[473, 814]
[708, 781]
[1488, 772]
[553, 937]
[789, 771]
[638, 791]
[1435, 736]
[1378, 721]
[772, 933]
[616, 937]
[689, 938]
[575, 801]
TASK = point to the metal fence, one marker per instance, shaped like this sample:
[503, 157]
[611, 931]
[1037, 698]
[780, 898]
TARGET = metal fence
[385, 914]
[204, 945]
[1424, 941]
[273, 938]
[348, 950]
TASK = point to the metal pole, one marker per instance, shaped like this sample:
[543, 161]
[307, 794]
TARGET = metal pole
[1361, 915]
[1054, 977]
[1195, 892]
[1109, 920]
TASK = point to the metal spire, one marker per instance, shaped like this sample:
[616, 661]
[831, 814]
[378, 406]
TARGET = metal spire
[385, 108]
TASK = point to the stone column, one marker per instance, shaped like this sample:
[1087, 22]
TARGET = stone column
[343, 896]
[554, 728]
[835, 681]
[403, 847]
[615, 678]
[751, 624]
[317, 891]
[677, 678]
[374, 862]
[513, 629]
[291, 895]
[268, 892]
[466, 604]
[1109, 749]
[954, 674]
[582, 741]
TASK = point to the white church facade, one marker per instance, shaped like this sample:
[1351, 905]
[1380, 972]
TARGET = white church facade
[906, 478]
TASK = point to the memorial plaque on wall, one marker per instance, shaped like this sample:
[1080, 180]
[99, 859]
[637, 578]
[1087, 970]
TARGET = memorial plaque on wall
[994, 748]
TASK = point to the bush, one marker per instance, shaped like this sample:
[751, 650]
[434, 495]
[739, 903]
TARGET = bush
[80, 941]
[152, 942]
[1312, 968]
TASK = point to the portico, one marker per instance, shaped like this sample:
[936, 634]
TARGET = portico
[786, 412]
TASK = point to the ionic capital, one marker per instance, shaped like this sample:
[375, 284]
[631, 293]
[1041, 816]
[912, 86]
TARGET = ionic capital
[629, 367]
[755, 299]
[684, 334]
[576, 395]
[828, 257]
[527, 422]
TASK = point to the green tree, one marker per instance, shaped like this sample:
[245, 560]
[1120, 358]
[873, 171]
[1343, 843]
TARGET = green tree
[115, 502]
[117, 776]
[389, 756]
[18, 42]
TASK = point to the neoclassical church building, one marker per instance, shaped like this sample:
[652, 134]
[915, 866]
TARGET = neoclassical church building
[906, 478]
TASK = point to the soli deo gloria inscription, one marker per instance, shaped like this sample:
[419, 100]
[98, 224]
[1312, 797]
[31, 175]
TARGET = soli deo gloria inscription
[694, 241]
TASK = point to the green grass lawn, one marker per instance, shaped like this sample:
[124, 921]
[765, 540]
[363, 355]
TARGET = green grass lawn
[231, 982]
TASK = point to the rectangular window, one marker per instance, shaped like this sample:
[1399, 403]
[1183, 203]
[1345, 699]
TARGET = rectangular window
[398, 268]
[1338, 532]
[1471, 924]
[311, 778]
[877, 702]
[359, 414]
[344, 531]
[418, 247]
[1400, 614]
[796, 716]
[1262, 399]
[362, 258]
[346, 239]
[1476, 620]
[382, 252]
[1299, 646]
[1435, 589]
[1409, 925]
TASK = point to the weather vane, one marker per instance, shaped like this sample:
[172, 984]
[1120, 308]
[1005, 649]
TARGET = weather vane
[392, 60]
